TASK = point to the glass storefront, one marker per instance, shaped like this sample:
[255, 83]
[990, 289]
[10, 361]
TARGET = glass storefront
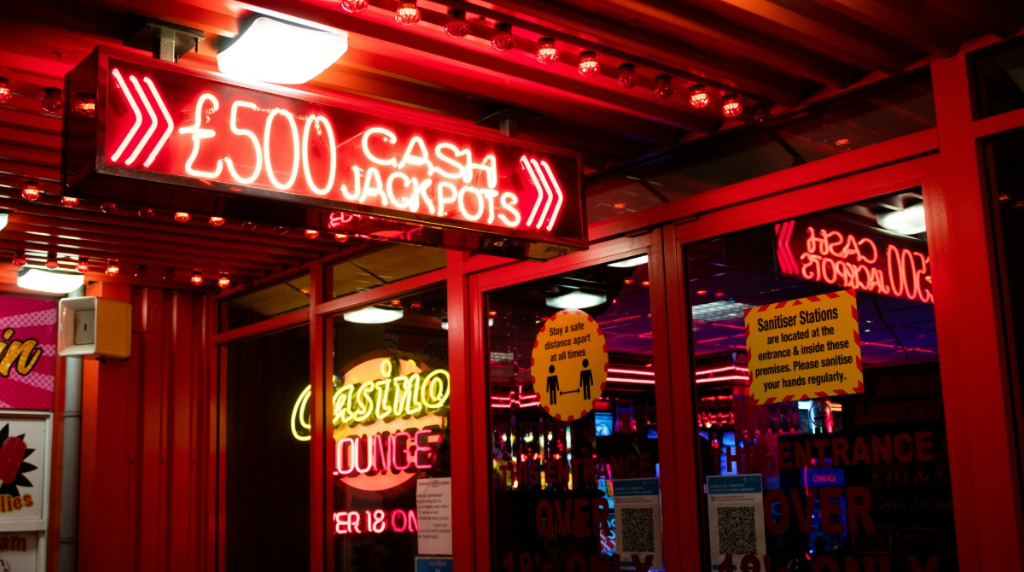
[819, 403]
[573, 426]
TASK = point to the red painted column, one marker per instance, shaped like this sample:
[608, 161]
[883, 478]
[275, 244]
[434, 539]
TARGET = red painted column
[986, 501]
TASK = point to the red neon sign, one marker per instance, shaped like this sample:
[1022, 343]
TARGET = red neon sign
[828, 251]
[200, 130]
[375, 521]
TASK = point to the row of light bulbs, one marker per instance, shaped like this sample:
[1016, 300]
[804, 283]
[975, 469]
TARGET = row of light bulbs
[408, 13]
[31, 191]
[53, 98]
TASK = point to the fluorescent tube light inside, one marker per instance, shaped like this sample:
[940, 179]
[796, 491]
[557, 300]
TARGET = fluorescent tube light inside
[630, 262]
[374, 315]
[278, 52]
[577, 300]
[51, 282]
[907, 221]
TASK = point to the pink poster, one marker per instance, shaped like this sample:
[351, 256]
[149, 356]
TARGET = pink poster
[28, 352]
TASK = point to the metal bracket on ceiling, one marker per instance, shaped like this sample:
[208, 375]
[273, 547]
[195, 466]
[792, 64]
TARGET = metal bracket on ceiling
[510, 121]
[165, 40]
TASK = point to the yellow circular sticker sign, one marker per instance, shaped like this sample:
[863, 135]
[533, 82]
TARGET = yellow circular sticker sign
[569, 364]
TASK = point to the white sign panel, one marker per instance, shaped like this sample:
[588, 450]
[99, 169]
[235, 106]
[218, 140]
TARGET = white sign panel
[434, 512]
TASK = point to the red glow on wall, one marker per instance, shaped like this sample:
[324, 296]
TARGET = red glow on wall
[207, 133]
[849, 258]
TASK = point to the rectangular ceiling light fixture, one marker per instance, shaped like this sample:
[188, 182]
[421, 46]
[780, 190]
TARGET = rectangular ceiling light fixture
[273, 51]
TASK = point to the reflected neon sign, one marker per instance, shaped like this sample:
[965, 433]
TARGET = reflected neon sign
[849, 259]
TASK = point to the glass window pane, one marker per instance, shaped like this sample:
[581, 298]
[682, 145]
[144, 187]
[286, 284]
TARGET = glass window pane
[390, 435]
[267, 469]
[999, 79]
[881, 113]
[573, 421]
[256, 306]
[384, 266]
[844, 456]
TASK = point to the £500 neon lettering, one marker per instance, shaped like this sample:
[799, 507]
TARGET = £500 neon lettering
[417, 180]
[844, 260]
[413, 395]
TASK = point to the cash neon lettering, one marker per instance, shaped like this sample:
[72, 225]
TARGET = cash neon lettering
[439, 179]
[389, 398]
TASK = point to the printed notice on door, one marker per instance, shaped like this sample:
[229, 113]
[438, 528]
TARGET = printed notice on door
[805, 348]
[434, 512]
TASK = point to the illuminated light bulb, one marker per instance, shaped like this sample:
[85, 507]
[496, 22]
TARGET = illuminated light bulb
[645, 283]
[69, 201]
[909, 221]
[663, 86]
[341, 237]
[354, 6]
[407, 14]
[702, 292]
[182, 216]
[699, 96]
[31, 191]
[416, 305]
[109, 208]
[576, 300]
[620, 206]
[546, 51]
[311, 234]
[5, 90]
[843, 144]
[84, 104]
[719, 294]
[456, 26]
[83, 264]
[281, 229]
[249, 225]
[112, 268]
[52, 282]
[216, 221]
[762, 115]
[197, 277]
[19, 258]
[374, 315]
[146, 213]
[503, 40]
[731, 106]
[628, 78]
[627, 281]
[396, 303]
[51, 261]
[587, 64]
[492, 313]
[53, 100]
[224, 281]
[1003, 197]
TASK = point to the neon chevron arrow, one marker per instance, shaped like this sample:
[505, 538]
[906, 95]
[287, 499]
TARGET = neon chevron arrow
[544, 181]
[150, 112]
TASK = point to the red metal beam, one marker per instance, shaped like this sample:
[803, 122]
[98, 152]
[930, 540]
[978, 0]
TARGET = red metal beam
[886, 16]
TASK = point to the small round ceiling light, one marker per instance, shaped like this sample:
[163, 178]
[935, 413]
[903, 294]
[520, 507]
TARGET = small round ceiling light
[224, 281]
[69, 201]
[83, 264]
[113, 269]
[147, 213]
[31, 191]
[312, 234]
[5, 90]
[197, 277]
[51, 261]
[53, 100]
[407, 13]
[731, 106]
[111, 208]
[663, 86]
[628, 78]
[341, 237]
[83, 104]
[354, 6]
[762, 115]
[216, 221]
[182, 216]
[456, 26]
[503, 40]
[19, 258]
[547, 53]
[588, 65]
[699, 96]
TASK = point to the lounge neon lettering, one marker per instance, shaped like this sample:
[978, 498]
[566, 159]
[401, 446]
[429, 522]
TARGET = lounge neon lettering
[380, 453]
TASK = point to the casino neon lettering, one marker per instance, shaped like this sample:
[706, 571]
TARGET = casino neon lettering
[833, 257]
[388, 398]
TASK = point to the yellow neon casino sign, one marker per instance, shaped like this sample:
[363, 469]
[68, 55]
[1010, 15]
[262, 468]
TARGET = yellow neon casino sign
[410, 393]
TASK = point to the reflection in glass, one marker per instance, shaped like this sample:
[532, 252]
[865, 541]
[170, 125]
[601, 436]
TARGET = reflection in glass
[384, 266]
[258, 305]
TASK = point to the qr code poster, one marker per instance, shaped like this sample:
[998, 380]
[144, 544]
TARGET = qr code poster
[638, 524]
[736, 515]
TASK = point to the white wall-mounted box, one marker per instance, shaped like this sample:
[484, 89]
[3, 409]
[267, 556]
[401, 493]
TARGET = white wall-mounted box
[95, 327]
